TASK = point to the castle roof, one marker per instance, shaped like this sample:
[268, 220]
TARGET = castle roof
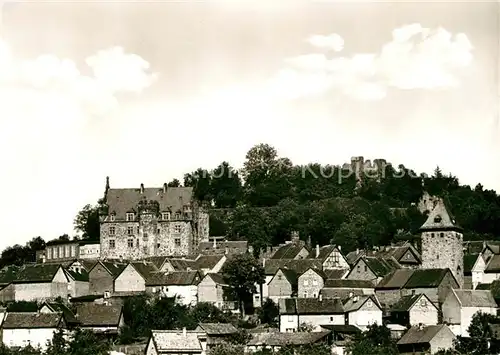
[440, 219]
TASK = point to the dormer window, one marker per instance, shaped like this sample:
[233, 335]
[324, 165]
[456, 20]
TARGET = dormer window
[165, 216]
[112, 218]
[130, 216]
[178, 215]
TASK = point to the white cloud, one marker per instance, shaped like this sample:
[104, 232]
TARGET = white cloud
[415, 58]
[332, 41]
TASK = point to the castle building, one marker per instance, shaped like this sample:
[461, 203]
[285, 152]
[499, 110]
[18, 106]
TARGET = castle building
[145, 222]
[442, 241]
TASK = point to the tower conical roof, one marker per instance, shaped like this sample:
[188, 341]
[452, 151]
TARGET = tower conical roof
[440, 219]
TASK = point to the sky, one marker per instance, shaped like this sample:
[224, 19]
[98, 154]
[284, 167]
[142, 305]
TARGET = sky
[145, 92]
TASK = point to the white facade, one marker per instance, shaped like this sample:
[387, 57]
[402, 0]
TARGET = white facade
[130, 280]
[186, 294]
[423, 311]
[369, 313]
[90, 251]
[292, 322]
[37, 337]
[31, 291]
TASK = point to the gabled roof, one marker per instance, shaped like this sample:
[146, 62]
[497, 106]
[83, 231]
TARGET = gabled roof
[182, 264]
[290, 275]
[298, 265]
[493, 265]
[158, 261]
[346, 283]
[469, 262]
[37, 273]
[218, 328]
[61, 308]
[121, 201]
[283, 339]
[380, 267]
[208, 261]
[98, 315]
[395, 280]
[440, 219]
[82, 276]
[310, 306]
[424, 278]
[475, 298]
[406, 303]
[144, 268]
[217, 278]
[423, 335]
[114, 269]
[354, 303]
[176, 278]
[176, 341]
[288, 251]
[30, 320]
[87, 264]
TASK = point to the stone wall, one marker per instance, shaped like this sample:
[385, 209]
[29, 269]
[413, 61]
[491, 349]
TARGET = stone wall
[442, 250]
[309, 284]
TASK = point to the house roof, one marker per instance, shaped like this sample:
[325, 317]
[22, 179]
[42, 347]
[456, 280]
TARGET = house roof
[398, 253]
[220, 246]
[407, 302]
[422, 335]
[288, 251]
[299, 265]
[208, 261]
[144, 268]
[310, 306]
[37, 273]
[423, 278]
[32, 320]
[346, 283]
[82, 276]
[493, 265]
[180, 264]
[469, 262]
[8, 274]
[87, 264]
[61, 308]
[218, 328]
[475, 298]
[395, 280]
[380, 267]
[98, 315]
[335, 273]
[121, 201]
[440, 219]
[217, 278]
[283, 339]
[354, 303]
[177, 278]
[290, 275]
[175, 340]
[341, 328]
[114, 269]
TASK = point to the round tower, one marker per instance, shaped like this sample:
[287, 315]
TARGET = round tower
[442, 242]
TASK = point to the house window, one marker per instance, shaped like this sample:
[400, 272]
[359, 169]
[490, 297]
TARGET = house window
[359, 268]
[158, 231]
[366, 268]
[315, 295]
[331, 319]
[423, 302]
[73, 251]
[130, 230]
[158, 246]
[432, 235]
[305, 294]
[441, 235]
[138, 230]
[111, 244]
[130, 217]
[177, 229]
[153, 289]
[290, 318]
[369, 303]
[315, 282]
[130, 243]
[306, 282]
[177, 242]
[112, 218]
[165, 216]
[178, 215]
[61, 252]
[279, 277]
[111, 230]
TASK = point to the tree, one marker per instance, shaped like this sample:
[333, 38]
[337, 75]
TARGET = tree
[174, 183]
[200, 181]
[479, 334]
[85, 342]
[58, 345]
[243, 272]
[87, 222]
[375, 341]
[226, 186]
[269, 313]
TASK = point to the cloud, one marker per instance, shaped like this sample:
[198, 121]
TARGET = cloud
[114, 71]
[415, 58]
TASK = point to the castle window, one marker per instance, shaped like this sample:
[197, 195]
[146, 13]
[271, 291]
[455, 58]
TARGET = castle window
[112, 218]
[137, 243]
[165, 216]
[130, 230]
[432, 235]
[158, 246]
[112, 230]
[111, 244]
[145, 236]
[158, 231]
[177, 242]
[138, 230]
[178, 215]
[177, 229]
[130, 217]
[130, 243]
[441, 235]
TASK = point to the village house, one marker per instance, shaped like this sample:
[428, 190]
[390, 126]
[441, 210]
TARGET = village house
[179, 342]
[214, 289]
[180, 284]
[133, 277]
[331, 257]
[282, 285]
[295, 249]
[102, 277]
[362, 311]
[53, 307]
[406, 255]
[428, 340]
[372, 268]
[31, 328]
[210, 263]
[296, 312]
[78, 282]
[274, 341]
[460, 306]
[40, 282]
[89, 250]
[136, 223]
[222, 246]
[340, 336]
[313, 280]
[414, 310]
[100, 318]
[216, 333]
[388, 290]
[170, 264]
[342, 288]
[474, 267]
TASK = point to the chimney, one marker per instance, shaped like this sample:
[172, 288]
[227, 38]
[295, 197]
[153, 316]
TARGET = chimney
[184, 332]
[355, 299]
[357, 251]
[309, 243]
[263, 262]
[215, 243]
[226, 251]
[351, 294]
[142, 188]
[320, 297]
[317, 250]
[165, 188]
[107, 183]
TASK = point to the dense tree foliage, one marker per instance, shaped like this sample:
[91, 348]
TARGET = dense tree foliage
[271, 196]
[375, 341]
[19, 255]
[87, 222]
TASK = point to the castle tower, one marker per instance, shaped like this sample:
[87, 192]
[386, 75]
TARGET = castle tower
[442, 242]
